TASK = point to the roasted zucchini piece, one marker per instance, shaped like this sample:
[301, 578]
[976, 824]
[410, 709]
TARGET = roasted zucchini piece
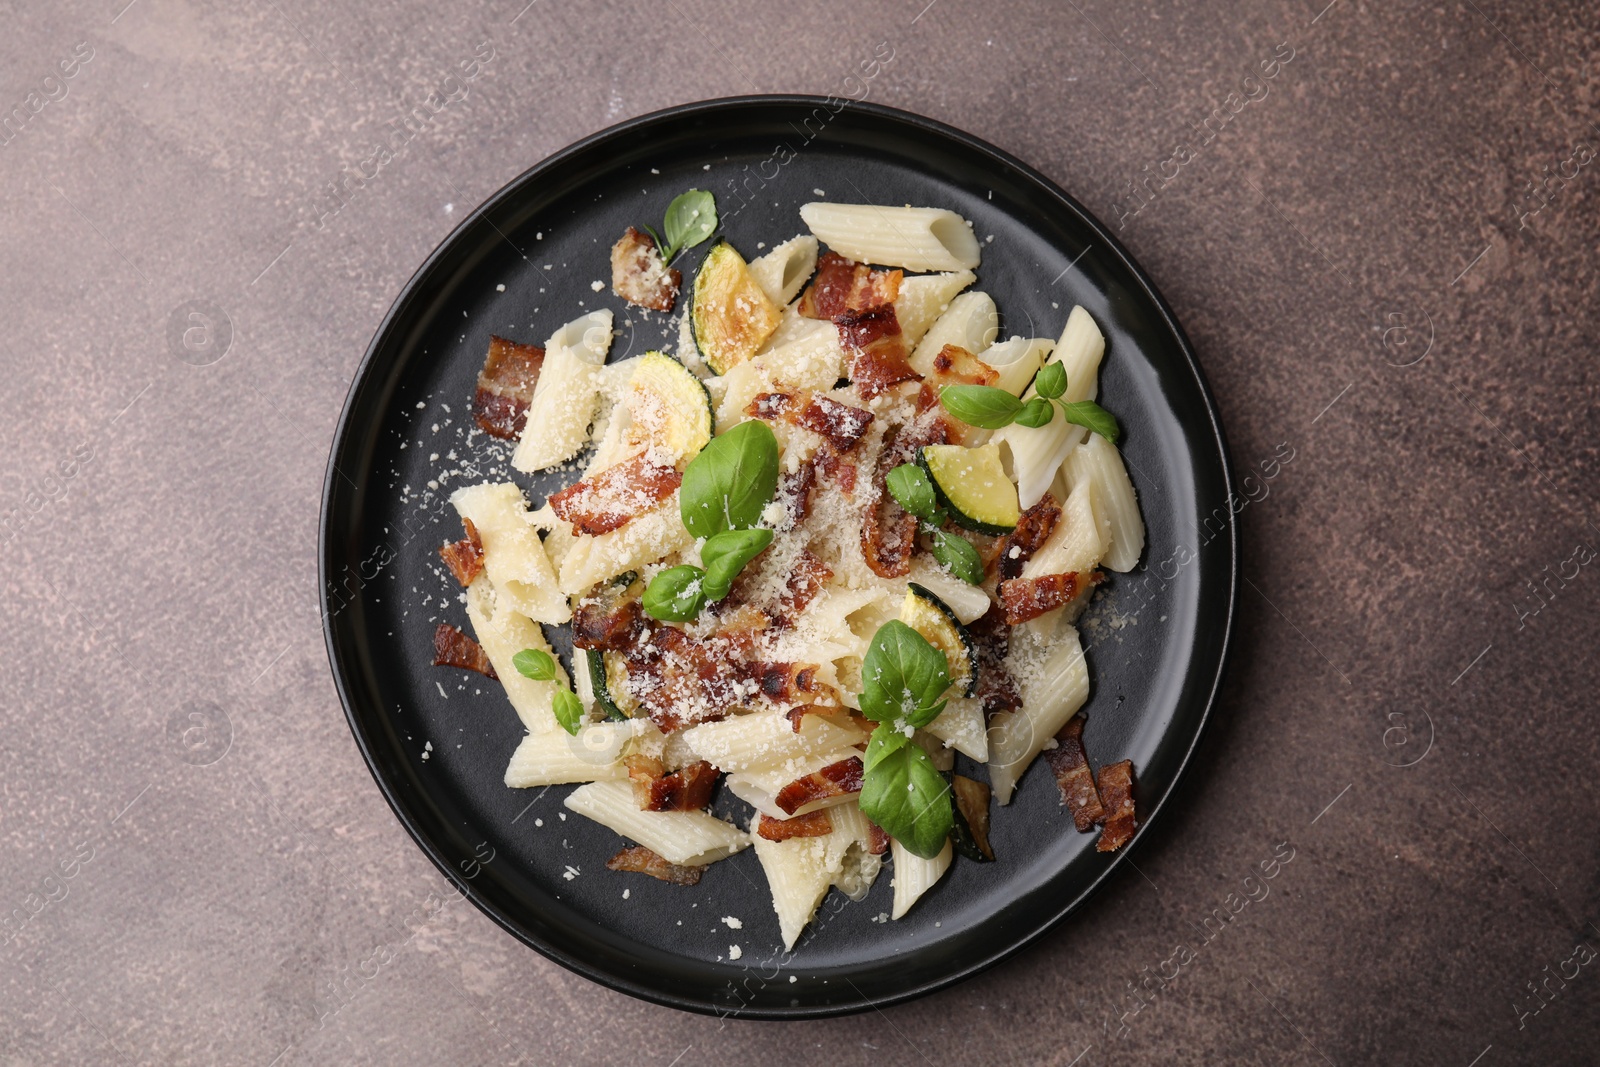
[606, 676]
[973, 486]
[731, 315]
[669, 405]
[932, 618]
[969, 833]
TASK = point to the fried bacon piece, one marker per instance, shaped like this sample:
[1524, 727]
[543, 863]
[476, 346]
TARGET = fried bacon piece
[606, 624]
[1071, 767]
[806, 579]
[877, 352]
[888, 531]
[837, 469]
[877, 839]
[794, 493]
[842, 424]
[997, 690]
[972, 802]
[452, 648]
[641, 860]
[639, 276]
[954, 365]
[1116, 792]
[464, 557]
[505, 387]
[842, 286]
[616, 495]
[812, 824]
[686, 789]
[786, 683]
[1028, 598]
[1033, 529]
[834, 780]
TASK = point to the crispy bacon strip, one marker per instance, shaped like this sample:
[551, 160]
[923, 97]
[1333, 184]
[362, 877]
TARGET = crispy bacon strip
[834, 780]
[1116, 792]
[794, 493]
[837, 469]
[954, 365]
[812, 824]
[616, 495]
[464, 557]
[641, 860]
[452, 648]
[784, 683]
[877, 839]
[686, 789]
[505, 387]
[888, 531]
[842, 286]
[842, 424]
[1033, 529]
[807, 578]
[1028, 598]
[1071, 767]
[997, 690]
[877, 351]
[606, 624]
[639, 276]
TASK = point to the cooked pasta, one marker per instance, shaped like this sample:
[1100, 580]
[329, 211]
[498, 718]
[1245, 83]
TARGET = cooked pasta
[970, 322]
[916, 238]
[567, 394]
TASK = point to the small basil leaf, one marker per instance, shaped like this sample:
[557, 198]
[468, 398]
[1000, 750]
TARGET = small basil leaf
[1096, 418]
[878, 705]
[715, 587]
[886, 740]
[569, 710]
[1051, 381]
[905, 796]
[534, 663]
[676, 594]
[690, 219]
[956, 555]
[904, 668]
[1036, 413]
[729, 484]
[725, 555]
[980, 405]
[912, 490]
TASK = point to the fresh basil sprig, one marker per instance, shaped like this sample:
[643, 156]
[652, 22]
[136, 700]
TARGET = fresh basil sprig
[691, 218]
[991, 408]
[539, 665]
[903, 678]
[724, 492]
[912, 490]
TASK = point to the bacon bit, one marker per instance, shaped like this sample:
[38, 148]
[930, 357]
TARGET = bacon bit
[612, 498]
[834, 780]
[972, 800]
[807, 578]
[841, 424]
[783, 683]
[1028, 598]
[794, 493]
[840, 471]
[1033, 529]
[877, 351]
[1071, 767]
[842, 286]
[889, 532]
[505, 387]
[955, 365]
[797, 714]
[812, 824]
[997, 690]
[639, 276]
[1116, 792]
[464, 557]
[640, 860]
[452, 648]
[606, 625]
[687, 789]
[877, 839]
[674, 671]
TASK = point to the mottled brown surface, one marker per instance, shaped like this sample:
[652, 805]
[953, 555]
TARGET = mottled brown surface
[170, 714]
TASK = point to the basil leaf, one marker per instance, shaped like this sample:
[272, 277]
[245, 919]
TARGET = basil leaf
[886, 741]
[725, 555]
[980, 405]
[901, 674]
[1051, 381]
[877, 705]
[925, 713]
[910, 800]
[534, 663]
[1096, 418]
[729, 484]
[912, 490]
[1036, 413]
[569, 710]
[690, 219]
[676, 594]
[956, 554]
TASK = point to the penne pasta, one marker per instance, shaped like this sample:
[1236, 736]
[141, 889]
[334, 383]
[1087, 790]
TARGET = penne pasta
[1017, 360]
[914, 876]
[1037, 453]
[559, 758]
[763, 740]
[567, 395]
[782, 271]
[687, 838]
[1054, 679]
[1098, 463]
[960, 725]
[513, 555]
[971, 322]
[1075, 545]
[915, 238]
[503, 633]
[644, 540]
[923, 299]
[811, 361]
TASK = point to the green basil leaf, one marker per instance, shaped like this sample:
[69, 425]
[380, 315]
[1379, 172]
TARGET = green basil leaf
[690, 219]
[729, 484]
[956, 554]
[569, 710]
[925, 713]
[912, 490]
[535, 663]
[910, 800]
[877, 705]
[725, 555]
[676, 594]
[980, 405]
[1096, 418]
[886, 740]
[1036, 413]
[1051, 381]
[901, 673]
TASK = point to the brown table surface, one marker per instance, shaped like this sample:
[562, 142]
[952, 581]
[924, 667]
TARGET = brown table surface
[1364, 269]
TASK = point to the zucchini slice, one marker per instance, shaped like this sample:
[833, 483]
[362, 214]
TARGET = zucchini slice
[969, 832]
[973, 486]
[669, 405]
[731, 315]
[606, 675]
[932, 618]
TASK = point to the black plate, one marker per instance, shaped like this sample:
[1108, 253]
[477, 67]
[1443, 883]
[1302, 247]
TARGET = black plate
[383, 589]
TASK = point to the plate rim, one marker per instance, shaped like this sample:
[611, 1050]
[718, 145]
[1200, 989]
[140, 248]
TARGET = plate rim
[380, 340]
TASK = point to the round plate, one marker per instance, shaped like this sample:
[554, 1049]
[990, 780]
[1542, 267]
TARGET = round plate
[437, 740]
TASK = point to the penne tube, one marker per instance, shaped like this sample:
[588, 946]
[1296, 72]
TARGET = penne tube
[567, 394]
[915, 238]
[781, 272]
[687, 838]
[503, 633]
[513, 555]
[1017, 360]
[971, 322]
[914, 876]
[1098, 463]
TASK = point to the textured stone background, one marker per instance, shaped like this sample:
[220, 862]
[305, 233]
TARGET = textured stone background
[1350, 256]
